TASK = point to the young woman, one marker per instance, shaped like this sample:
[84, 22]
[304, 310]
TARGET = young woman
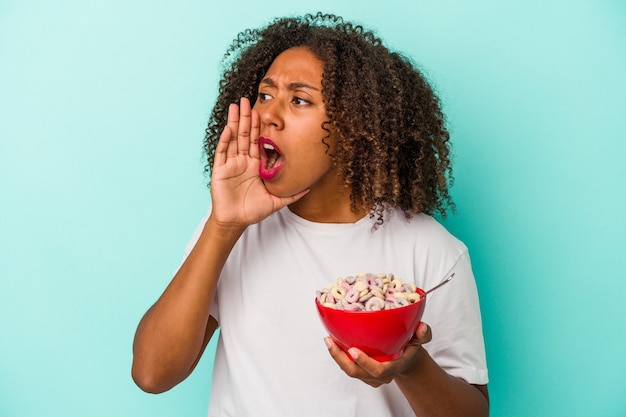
[330, 164]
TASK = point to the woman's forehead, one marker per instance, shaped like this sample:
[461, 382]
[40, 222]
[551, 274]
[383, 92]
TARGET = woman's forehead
[298, 67]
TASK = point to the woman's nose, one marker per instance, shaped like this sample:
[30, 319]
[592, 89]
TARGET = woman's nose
[270, 113]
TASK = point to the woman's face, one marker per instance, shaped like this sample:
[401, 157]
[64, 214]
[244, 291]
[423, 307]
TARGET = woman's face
[291, 110]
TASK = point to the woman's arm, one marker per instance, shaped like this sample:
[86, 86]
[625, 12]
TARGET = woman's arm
[429, 389]
[433, 392]
[173, 334]
[175, 331]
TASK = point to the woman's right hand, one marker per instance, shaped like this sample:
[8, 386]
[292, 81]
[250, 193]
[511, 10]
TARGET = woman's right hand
[239, 197]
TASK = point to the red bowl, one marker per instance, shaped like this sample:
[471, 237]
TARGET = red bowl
[381, 334]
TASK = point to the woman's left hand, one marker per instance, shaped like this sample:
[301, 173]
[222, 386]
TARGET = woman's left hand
[376, 373]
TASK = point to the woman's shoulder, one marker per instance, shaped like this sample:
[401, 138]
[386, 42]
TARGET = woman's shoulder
[423, 229]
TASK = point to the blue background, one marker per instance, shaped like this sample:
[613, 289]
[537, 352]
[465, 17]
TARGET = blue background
[103, 106]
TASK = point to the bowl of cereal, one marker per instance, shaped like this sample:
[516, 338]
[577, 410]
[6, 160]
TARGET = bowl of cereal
[375, 313]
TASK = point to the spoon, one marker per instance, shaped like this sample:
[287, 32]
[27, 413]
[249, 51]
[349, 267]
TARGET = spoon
[445, 281]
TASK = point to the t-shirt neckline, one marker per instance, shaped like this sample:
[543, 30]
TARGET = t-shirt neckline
[293, 218]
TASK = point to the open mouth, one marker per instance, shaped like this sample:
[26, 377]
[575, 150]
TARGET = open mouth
[271, 158]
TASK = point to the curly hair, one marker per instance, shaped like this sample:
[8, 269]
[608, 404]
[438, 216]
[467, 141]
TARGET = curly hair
[391, 143]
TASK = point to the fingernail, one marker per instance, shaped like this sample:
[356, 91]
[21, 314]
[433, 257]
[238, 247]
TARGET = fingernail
[327, 342]
[354, 353]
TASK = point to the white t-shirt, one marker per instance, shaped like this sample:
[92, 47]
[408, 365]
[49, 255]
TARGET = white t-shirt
[271, 359]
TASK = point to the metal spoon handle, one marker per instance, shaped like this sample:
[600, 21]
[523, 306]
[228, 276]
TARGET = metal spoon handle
[445, 281]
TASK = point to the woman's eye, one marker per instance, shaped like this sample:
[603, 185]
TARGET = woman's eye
[264, 96]
[300, 101]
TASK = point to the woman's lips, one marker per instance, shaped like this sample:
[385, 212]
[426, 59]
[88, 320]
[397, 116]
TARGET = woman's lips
[271, 158]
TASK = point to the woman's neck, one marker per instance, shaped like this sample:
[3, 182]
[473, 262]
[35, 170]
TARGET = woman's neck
[328, 208]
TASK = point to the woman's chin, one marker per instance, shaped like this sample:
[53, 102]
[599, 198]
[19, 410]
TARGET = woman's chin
[276, 190]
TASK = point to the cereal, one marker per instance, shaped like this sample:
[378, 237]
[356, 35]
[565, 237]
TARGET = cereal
[368, 292]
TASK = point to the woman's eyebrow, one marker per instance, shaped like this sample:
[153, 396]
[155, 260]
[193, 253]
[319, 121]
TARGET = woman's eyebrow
[292, 86]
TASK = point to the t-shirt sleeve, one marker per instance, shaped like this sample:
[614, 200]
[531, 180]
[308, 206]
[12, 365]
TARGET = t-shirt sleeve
[453, 313]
